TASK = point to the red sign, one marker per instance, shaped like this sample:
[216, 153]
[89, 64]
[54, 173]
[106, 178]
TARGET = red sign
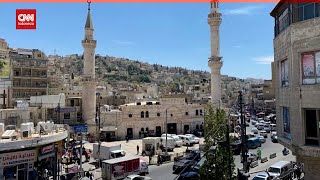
[47, 149]
[26, 19]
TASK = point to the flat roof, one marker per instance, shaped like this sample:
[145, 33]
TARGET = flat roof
[121, 159]
[280, 163]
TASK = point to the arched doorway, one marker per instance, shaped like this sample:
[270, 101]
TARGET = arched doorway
[158, 131]
[130, 133]
[186, 129]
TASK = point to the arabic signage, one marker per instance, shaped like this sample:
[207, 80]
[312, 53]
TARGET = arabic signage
[47, 149]
[66, 109]
[15, 158]
[80, 128]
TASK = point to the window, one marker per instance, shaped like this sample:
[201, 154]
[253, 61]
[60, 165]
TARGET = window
[286, 122]
[311, 68]
[147, 114]
[197, 112]
[187, 113]
[171, 115]
[312, 120]
[308, 11]
[158, 114]
[142, 114]
[200, 112]
[66, 115]
[130, 115]
[284, 20]
[284, 73]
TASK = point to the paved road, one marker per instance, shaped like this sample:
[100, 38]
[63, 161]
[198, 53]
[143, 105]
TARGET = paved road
[162, 172]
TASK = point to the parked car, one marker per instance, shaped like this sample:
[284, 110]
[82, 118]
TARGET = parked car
[253, 122]
[253, 143]
[267, 128]
[177, 140]
[254, 130]
[260, 126]
[196, 139]
[247, 124]
[178, 166]
[262, 139]
[251, 157]
[262, 176]
[187, 140]
[236, 147]
[190, 175]
[273, 127]
[280, 168]
[264, 133]
[262, 122]
[274, 139]
[137, 177]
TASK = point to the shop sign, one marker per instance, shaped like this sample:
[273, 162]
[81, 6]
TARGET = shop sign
[15, 158]
[47, 149]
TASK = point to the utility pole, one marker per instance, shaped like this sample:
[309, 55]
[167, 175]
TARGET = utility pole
[243, 134]
[81, 172]
[166, 133]
[4, 100]
[229, 149]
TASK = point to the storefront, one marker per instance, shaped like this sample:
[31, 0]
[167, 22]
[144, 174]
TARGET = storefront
[46, 164]
[18, 165]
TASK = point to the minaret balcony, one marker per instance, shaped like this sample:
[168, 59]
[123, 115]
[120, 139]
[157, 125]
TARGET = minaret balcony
[87, 41]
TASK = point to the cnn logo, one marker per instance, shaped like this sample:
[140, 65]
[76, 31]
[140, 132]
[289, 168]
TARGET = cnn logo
[26, 19]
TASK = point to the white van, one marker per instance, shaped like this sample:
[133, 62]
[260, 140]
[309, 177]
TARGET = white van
[280, 168]
[273, 127]
[171, 143]
[178, 141]
[168, 135]
[187, 140]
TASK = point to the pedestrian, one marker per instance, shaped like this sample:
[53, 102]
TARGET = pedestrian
[137, 149]
[161, 159]
[158, 160]
[127, 138]
[298, 173]
[259, 152]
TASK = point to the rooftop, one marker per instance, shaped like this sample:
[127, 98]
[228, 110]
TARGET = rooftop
[34, 139]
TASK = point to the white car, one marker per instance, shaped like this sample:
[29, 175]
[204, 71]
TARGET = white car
[196, 139]
[267, 128]
[261, 176]
[137, 177]
[264, 133]
[253, 122]
[262, 139]
[254, 130]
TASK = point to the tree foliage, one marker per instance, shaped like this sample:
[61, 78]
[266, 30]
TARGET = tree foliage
[216, 165]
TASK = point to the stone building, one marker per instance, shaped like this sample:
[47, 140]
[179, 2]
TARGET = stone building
[297, 78]
[136, 119]
[29, 73]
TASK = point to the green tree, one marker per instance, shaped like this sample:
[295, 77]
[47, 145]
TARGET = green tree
[216, 165]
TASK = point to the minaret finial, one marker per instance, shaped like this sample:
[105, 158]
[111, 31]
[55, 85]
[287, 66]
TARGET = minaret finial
[89, 2]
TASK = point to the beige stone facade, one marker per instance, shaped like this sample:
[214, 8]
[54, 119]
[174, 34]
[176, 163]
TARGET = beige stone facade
[151, 116]
[296, 72]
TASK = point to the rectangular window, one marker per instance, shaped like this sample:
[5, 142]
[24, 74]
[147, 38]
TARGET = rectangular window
[311, 68]
[286, 123]
[284, 20]
[308, 11]
[311, 121]
[67, 116]
[284, 73]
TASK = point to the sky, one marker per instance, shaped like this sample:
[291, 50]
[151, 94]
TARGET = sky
[172, 34]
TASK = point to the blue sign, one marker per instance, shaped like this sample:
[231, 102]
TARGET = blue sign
[80, 128]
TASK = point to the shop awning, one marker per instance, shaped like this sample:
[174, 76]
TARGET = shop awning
[109, 128]
[46, 156]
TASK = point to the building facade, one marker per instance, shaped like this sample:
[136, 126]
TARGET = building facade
[297, 78]
[29, 74]
[136, 119]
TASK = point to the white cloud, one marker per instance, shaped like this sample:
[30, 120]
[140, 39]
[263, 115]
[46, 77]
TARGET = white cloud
[236, 46]
[264, 59]
[246, 10]
[124, 43]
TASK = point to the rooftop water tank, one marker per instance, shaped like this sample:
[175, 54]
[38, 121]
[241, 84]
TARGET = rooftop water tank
[24, 127]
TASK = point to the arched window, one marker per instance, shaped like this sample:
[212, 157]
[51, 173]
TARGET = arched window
[197, 112]
[142, 114]
[147, 114]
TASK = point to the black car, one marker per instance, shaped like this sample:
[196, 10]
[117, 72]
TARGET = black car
[274, 139]
[191, 175]
[236, 148]
[184, 164]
